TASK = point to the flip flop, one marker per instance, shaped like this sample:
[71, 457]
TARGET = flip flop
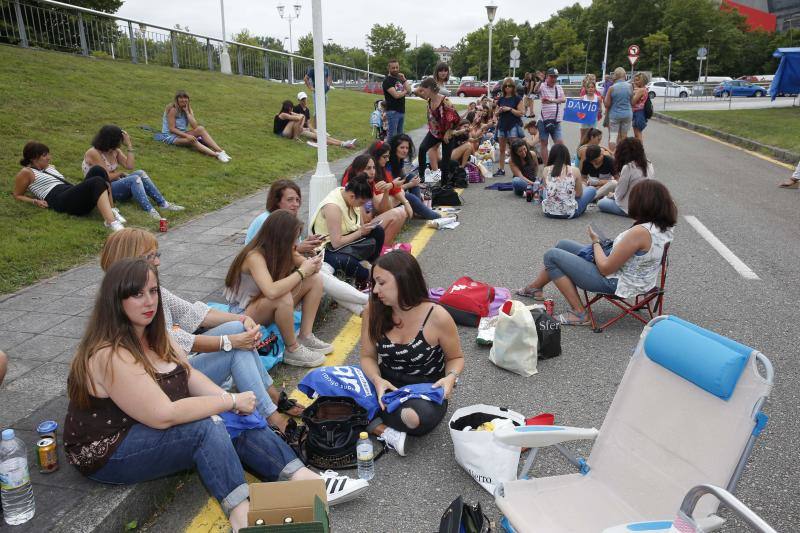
[536, 294]
[580, 319]
[286, 404]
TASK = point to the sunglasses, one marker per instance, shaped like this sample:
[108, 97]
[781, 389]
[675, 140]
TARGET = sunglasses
[153, 256]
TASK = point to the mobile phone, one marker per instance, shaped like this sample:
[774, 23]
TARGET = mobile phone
[323, 237]
[321, 253]
[374, 223]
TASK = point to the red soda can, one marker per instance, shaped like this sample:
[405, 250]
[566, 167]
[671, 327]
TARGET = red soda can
[549, 306]
[162, 225]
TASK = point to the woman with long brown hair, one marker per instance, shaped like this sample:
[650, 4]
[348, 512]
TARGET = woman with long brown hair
[264, 283]
[138, 411]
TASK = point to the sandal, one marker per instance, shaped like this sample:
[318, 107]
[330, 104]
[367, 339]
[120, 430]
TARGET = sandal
[286, 404]
[527, 292]
[791, 183]
[576, 319]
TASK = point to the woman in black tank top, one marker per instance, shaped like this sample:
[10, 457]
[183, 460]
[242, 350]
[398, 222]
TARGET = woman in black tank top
[407, 340]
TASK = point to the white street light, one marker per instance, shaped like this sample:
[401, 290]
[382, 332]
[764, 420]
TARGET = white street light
[609, 27]
[224, 57]
[708, 51]
[515, 56]
[288, 16]
[491, 11]
[323, 180]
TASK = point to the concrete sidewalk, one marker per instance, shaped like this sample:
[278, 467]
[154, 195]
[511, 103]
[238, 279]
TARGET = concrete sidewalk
[40, 326]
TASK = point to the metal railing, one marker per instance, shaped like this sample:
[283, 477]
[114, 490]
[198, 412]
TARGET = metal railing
[57, 26]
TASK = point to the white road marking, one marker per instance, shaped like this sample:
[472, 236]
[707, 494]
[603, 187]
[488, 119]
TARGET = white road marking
[744, 270]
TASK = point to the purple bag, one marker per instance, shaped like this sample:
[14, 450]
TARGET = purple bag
[501, 294]
[473, 173]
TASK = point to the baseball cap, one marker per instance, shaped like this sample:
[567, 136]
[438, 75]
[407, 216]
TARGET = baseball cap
[552, 72]
[301, 95]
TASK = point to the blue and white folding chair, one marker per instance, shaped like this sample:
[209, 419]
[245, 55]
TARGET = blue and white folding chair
[687, 412]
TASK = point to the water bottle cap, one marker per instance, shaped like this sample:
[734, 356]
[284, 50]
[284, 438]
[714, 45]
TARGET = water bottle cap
[8, 434]
[362, 435]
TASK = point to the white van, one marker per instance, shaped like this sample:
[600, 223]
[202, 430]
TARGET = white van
[468, 78]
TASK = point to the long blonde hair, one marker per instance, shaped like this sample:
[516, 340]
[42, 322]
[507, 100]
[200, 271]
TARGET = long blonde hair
[126, 243]
[110, 328]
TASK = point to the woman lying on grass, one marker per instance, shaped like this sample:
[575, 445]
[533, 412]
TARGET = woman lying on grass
[179, 127]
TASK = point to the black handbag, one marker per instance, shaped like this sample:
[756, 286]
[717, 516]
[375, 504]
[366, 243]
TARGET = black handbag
[362, 249]
[462, 517]
[444, 195]
[548, 329]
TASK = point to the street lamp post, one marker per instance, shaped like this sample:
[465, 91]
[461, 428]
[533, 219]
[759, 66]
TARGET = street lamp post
[224, 57]
[586, 61]
[323, 180]
[367, 47]
[609, 27]
[515, 56]
[288, 16]
[708, 54]
[491, 10]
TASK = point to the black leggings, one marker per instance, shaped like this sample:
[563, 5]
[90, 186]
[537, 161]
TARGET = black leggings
[80, 199]
[429, 142]
[429, 414]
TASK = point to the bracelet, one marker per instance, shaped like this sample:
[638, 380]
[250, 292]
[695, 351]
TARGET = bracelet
[595, 242]
[223, 395]
[302, 276]
[233, 397]
[220, 343]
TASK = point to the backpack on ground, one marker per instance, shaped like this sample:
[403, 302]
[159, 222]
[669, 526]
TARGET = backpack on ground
[456, 175]
[444, 195]
[467, 301]
[648, 109]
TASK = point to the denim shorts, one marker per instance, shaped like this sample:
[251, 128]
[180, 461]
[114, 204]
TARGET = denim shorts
[515, 131]
[639, 120]
[166, 138]
[544, 134]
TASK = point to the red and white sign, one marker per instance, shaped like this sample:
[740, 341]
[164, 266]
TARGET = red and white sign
[633, 53]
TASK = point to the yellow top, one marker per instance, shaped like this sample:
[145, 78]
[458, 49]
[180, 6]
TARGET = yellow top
[351, 217]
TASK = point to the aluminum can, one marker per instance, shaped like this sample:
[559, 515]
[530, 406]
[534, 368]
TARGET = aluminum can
[549, 306]
[47, 455]
[162, 225]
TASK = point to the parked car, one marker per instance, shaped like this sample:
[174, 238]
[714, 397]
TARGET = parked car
[667, 88]
[471, 88]
[738, 88]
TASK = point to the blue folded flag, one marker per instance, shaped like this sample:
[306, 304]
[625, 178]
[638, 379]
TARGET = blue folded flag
[424, 391]
[235, 424]
[341, 381]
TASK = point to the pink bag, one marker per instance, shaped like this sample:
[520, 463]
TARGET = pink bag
[474, 173]
[401, 246]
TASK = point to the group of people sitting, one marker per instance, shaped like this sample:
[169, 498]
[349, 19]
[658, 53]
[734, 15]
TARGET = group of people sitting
[295, 122]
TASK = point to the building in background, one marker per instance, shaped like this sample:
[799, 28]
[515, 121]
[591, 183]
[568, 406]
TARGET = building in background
[768, 15]
[444, 53]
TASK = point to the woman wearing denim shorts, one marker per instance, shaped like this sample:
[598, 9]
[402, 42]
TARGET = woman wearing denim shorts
[509, 125]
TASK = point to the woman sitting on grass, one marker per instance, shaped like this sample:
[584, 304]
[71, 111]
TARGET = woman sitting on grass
[106, 152]
[225, 349]
[264, 283]
[630, 269]
[565, 195]
[138, 411]
[49, 189]
[179, 127]
[289, 124]
[407, 340]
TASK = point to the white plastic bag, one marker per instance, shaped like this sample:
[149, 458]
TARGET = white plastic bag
[489, 461]
[515, 340]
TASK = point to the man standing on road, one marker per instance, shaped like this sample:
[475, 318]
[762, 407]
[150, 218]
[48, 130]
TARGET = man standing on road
[309, 81]
[551, 114]
[395, 89]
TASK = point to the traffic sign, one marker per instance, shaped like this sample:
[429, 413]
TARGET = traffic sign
[514, 63]
[514, 54]
[702, 52]
[633, 50]
[633, 59]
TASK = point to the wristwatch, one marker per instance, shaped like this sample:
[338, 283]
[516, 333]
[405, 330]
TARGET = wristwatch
[453, 372]
[226, 343]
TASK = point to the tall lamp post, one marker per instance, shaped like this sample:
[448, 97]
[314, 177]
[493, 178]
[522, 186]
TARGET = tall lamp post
[515, 56]
[367, 48]
[288, 16]
[708, 56]
[323, 180]
[491, 11]
[609, 27]
[586, 61]
[224, 57]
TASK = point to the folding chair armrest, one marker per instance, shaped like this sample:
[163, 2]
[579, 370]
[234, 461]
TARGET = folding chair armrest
[541, 436]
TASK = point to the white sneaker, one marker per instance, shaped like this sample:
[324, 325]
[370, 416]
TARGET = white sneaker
[222, 156]
[433, 176]
[226, 155]
[173, 207]
[154, 214]
[121, 219]
[342, 489]
[349, 144]
[311, 144]
[395, 440]
[114, 226]
[313, 343]
[303, 356]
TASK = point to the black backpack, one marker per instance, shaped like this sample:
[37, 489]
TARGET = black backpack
[457, 175]
[648, 109]
[444, 195]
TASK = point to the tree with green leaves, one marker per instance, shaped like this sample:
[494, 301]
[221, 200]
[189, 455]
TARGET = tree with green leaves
[387, 42]
[107, 6]
[422, 61]
[655, 41]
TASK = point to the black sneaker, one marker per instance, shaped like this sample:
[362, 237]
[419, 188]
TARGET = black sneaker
[500, 172]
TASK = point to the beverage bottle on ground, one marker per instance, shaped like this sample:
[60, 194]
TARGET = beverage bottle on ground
[365, 455]
[15, 480]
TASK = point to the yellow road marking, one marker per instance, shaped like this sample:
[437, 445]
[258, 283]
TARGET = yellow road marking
[211, 518]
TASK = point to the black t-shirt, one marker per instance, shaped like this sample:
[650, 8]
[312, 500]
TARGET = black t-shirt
[392, 103]
[604, 171]
[279, 124]
[299, 109]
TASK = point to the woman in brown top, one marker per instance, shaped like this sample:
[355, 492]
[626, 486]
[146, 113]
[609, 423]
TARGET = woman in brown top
[138, 411]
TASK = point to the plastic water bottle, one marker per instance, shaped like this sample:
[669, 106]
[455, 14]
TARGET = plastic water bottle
[15, 480]
[366, 457]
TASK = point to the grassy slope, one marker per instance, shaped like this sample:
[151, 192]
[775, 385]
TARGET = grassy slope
[775, 127]
[62, 100]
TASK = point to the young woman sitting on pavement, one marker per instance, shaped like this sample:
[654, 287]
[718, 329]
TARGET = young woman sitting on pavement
[380, 206]
[401, 151]
[106, 152]
[138, 411]
[179, 127]
[632, 167]
[593, 136]
[633, 265]
[598, 170]
[340, 218]
[49, 189]
[524, 167]
[565, 195]
[265, 283]
[285, 194]
[405, 340]
[226, 347]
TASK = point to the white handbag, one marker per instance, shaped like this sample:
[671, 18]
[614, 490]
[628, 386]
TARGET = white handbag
[489, 461]
[515, 340]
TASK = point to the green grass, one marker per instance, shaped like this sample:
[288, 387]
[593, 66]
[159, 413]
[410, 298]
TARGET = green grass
[62, 100]
[775, 127]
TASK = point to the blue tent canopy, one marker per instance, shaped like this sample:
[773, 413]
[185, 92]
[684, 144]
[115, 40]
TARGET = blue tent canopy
[787, 77]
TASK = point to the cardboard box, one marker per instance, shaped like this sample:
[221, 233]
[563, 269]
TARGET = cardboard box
[305, 502]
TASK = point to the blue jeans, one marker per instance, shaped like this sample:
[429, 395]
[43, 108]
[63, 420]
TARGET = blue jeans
[609, 205]
[244, 366]
[544, 135]
[520, 185]
[583, 202]
[395, 120]
[147, 453]
[562, 261]
[138, 185]
[418, 205]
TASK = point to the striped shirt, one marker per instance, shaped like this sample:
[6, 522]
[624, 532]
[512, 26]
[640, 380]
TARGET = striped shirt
[551, 111]
[45, 181]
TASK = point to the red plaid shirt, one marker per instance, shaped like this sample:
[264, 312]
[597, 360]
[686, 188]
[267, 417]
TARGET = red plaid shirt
[443, 118]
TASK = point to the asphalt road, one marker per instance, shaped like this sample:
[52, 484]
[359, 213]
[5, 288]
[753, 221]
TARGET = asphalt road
[501, 240]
